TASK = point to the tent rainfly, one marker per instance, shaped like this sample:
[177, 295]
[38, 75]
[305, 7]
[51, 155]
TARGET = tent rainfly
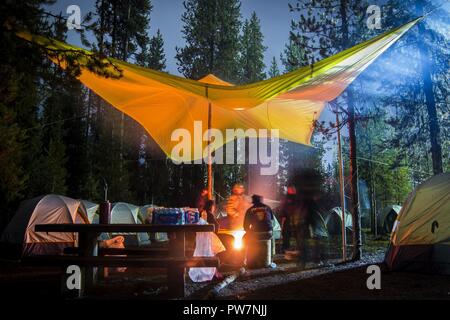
[420, 240]
[162, 103]
[44, 210]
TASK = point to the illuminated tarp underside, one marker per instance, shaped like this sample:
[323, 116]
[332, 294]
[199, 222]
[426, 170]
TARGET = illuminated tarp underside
[161, 102]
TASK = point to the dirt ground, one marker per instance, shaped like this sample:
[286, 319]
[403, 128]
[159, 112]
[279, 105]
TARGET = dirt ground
[331, 280]
[351, 284]
[346, 281]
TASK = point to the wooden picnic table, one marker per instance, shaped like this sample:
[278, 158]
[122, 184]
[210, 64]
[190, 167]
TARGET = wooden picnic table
[88, 248]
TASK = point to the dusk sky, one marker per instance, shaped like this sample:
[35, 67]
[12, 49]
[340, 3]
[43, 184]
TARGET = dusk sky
[166, 16]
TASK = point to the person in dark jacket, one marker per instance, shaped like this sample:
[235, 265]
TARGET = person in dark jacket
[301, 225]
[258, 217]
[287, 210]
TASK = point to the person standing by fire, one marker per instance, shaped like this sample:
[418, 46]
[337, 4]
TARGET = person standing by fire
[258, 217]
[237, 205]
[287, 210]
[258, 221]
[301, 218]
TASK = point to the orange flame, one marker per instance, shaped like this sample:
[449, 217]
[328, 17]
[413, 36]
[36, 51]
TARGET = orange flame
[238, 235]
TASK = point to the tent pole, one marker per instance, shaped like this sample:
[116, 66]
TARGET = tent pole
[210, 170]
[342, 188]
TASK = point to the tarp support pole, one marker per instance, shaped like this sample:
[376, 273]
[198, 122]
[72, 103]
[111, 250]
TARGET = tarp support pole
[210, 170]
[342, 189]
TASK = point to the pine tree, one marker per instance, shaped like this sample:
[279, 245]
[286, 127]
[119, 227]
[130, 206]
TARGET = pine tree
[38, 101]
[421, 111]
[153, 55]
[251, 59]
[274, 71]
[295, 54]
[121, 32]
[323, 28]
[20, 65]
[211, 31]
[12, 149]
[154, 170]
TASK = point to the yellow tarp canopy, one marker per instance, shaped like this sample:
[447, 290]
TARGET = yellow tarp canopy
[161, 102]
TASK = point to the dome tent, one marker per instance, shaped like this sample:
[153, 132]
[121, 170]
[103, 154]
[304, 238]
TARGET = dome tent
[145, 212]
[333, 221]
[44, 210]
[320, 229]
[127, 213]
[420, 240]
[92, 211]
[387, 217]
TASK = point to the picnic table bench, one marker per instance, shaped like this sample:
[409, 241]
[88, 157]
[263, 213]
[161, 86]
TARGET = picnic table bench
[87, 257]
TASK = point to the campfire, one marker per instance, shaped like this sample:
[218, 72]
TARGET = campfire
[238, 235]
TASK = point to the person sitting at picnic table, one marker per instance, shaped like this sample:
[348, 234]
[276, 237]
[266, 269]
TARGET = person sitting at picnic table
[208, 214]
[201, 200]
[117, 242]
[207, 244]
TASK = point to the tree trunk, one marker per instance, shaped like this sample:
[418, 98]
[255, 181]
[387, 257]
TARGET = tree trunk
[356, 219]
[430, 101]
[122, 115]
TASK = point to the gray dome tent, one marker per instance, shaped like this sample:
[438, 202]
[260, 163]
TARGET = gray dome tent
[122, 212]
[333, 221]
[92, 210]
[44, 210]
[319, 226]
